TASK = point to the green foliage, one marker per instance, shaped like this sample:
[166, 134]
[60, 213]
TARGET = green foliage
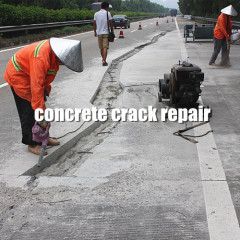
[207, 8]
[20, 14]
[118, 5]
[8, 15]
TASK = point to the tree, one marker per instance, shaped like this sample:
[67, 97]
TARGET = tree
[203, 8]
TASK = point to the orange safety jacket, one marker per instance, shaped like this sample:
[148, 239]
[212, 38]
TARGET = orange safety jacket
[31, 71]
[222, 29]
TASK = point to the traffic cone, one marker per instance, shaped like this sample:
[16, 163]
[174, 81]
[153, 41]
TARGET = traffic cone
[121, 33]
[140, 26]
[167, 21]
[157, 22]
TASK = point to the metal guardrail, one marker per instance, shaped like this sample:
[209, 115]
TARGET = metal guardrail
[42, 25]
[234, 23]
[4, 29]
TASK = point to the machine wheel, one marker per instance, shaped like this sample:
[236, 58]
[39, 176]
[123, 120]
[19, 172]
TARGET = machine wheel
[165, 91]
[159, 96]
[172, 89]
[159, 85]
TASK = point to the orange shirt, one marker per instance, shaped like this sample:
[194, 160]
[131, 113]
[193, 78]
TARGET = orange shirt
[31, 71]
[222, 30]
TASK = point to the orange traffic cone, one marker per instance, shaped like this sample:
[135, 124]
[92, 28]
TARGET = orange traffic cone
[157, 22]
[167, 21]
[121, 33]
[140, 26]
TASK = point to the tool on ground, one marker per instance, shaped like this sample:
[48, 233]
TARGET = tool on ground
[225, 61]
[188, 137]
[41, 135]
[182, 85]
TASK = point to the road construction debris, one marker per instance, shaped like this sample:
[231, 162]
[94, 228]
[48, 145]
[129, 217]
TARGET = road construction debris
[188, 137]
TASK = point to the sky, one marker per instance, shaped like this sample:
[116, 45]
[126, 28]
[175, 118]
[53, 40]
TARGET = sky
[167, 3]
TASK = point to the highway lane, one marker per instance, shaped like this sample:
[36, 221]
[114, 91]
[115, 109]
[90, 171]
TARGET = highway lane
[164, 178]
[91, 55]
[9, 122]
[133, 37]
[221, 92]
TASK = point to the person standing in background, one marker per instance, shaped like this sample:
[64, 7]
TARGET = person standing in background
[100, 27]
[222, 33]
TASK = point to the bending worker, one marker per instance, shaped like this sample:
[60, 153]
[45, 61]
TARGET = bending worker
[222, 33]
[30, 73]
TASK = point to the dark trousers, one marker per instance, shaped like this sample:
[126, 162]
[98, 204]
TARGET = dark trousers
[218, 45]
[26, 115]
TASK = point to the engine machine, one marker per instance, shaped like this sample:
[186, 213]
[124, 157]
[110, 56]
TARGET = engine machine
[182, 85]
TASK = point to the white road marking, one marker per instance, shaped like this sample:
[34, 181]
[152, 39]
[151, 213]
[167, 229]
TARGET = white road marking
[134, 30]
[10, 49]
[221, 215]
[182, 46]
[145, 26]
[78, 34]
[3, 85]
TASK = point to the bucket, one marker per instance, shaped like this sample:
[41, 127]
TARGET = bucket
[235, 37]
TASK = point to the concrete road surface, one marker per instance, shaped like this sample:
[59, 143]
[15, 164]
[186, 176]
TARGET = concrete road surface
[136, 180]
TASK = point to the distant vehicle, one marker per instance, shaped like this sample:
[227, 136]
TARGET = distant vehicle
[188, 17]
[97, 6]
[120, 21]
[173, 12]
[162, 15]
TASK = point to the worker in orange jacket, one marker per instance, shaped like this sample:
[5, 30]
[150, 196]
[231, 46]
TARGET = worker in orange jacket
[30, 73]
[222, 33]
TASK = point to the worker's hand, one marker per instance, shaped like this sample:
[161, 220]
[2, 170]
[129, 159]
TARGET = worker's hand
[43, 124]
[95, 34]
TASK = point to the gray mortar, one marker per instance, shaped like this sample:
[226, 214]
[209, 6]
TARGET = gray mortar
[107, 96]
